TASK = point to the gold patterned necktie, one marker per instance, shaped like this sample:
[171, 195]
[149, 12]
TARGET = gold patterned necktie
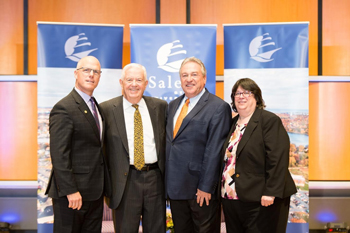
[181, 117]
[139, 158]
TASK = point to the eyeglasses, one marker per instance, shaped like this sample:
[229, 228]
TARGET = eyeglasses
[88, 71]
[244, 93]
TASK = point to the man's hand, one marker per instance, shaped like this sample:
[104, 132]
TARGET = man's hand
[75, 201]
[267, 200]
[201, 196]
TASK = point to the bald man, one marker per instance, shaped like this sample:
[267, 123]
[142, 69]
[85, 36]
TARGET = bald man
[78, 179]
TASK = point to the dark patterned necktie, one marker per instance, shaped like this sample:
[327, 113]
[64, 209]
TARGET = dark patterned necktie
[95, 114]
[139, 158]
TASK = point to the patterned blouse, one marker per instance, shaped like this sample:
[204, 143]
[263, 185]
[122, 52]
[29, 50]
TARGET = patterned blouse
[228, 190]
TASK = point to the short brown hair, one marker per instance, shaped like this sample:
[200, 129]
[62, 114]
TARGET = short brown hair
[249, 85]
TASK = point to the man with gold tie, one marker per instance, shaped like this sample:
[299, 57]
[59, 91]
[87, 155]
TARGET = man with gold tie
[197, 126]
[135, 152]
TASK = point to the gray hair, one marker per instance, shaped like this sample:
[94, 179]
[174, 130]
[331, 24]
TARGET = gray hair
[196, 60]
[134, 65]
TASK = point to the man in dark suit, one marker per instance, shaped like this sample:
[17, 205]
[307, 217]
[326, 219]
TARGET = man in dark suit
[135, 152]
[197, 126]
[77, 179]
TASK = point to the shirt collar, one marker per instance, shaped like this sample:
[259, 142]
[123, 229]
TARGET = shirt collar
[83, 95]
[194, 100]
[127, 104]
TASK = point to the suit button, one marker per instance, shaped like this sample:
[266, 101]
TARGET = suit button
[125, 174]
[237, 175]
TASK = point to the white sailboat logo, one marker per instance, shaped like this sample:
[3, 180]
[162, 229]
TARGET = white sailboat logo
[164, 53]
[255, 46]
[75, 42]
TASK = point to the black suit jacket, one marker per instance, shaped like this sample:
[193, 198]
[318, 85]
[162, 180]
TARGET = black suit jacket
[193, 156]
[116, 142]
[262, 158]
[76, 150]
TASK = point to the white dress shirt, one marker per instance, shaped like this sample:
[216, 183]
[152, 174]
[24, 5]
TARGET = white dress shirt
[149, 144]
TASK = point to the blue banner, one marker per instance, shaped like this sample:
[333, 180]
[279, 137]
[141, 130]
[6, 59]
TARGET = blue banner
[60, 47]
[162, 48]
[275, 56]
[266, 46]
[72, 42]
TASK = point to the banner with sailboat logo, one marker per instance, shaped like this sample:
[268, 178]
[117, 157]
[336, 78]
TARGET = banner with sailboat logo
[60, 47]
[275, 56]
[162, 48]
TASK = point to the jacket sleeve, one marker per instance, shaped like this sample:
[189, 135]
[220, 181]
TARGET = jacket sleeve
[217, 132]
[61, 133]
[277, 145]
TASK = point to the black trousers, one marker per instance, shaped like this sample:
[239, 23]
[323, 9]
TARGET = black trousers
[189, 217]
[143, 196]
[252, 217]
[86, 220]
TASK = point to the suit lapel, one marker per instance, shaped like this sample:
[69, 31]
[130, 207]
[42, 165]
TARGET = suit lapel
[86, 111]
[118, 112]
[233, 127]
[199, 106]
[253, 122]
[152, 110]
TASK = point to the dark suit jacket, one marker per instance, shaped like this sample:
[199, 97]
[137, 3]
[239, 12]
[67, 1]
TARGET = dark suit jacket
[76, 150]
[262, 158]
[193, 156]
[116, 142]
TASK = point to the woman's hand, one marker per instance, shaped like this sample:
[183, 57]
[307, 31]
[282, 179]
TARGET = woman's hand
[267, 200]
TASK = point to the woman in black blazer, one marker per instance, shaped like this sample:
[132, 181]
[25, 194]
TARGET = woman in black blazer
[256, 183]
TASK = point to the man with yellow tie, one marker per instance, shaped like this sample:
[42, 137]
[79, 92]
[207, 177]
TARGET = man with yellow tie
[197, 126]
[135, 152]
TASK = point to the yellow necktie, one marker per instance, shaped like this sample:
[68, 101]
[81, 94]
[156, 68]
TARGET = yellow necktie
[139, 158]
[181, 117]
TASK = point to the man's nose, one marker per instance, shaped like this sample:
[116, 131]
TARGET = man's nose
[189, 78]
[91, 73]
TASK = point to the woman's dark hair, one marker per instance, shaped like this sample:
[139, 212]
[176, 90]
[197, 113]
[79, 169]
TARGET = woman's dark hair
[249, 85]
